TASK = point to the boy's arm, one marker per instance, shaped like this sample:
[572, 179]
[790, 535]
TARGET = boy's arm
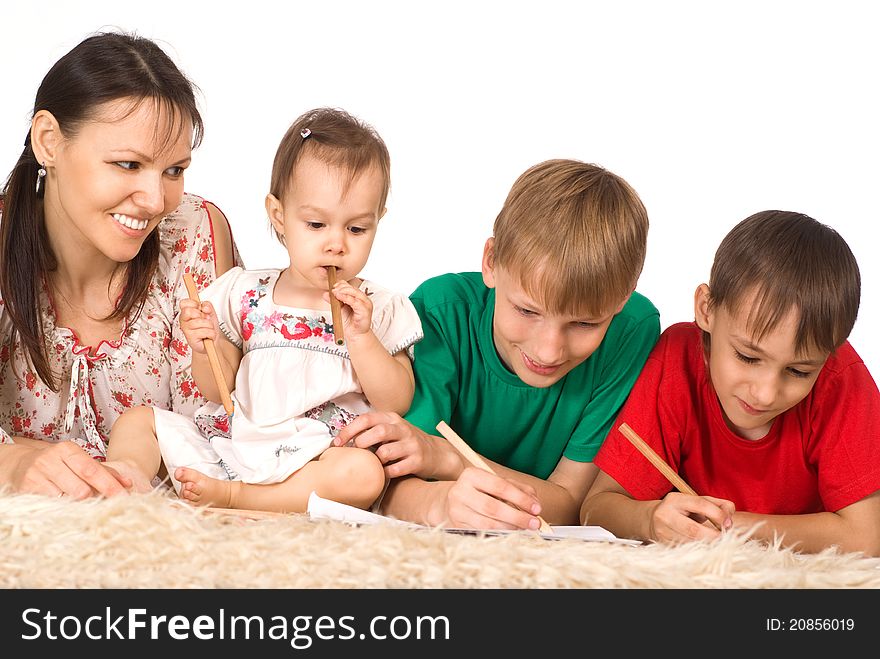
[855, 528]
[610, 506]
[478, 499]
[675, 518]
[415, 500]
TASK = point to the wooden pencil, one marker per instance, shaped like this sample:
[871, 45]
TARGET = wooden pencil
[211, 349]
[477, 461]
[335, 306]
[676, 480]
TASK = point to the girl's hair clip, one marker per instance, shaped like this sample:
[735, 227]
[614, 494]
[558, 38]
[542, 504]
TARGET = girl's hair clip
[305, 132]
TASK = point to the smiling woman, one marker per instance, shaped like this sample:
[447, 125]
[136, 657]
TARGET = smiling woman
[95, 235]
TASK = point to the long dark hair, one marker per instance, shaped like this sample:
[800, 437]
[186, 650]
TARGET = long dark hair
[104, 67]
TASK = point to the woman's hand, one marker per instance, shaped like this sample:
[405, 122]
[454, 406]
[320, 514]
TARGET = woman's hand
[64, 469]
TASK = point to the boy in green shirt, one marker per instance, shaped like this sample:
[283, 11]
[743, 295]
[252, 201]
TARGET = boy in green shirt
[529, 361]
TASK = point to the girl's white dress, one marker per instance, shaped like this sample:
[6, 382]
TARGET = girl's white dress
[295, 388]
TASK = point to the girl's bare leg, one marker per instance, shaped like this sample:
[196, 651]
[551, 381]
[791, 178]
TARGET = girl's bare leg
[133, 449]
[349, 475]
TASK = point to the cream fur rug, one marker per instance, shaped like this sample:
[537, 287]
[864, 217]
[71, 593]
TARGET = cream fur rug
[153, 541]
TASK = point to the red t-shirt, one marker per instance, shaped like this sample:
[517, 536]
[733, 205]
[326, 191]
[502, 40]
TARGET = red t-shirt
[821, 455]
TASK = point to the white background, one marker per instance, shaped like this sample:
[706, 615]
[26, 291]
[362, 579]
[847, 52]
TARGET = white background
[711, 112]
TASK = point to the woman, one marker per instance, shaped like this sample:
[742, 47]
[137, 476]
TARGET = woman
[95, 235]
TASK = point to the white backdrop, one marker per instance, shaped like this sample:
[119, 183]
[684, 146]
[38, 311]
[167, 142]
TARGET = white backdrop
[711, 113]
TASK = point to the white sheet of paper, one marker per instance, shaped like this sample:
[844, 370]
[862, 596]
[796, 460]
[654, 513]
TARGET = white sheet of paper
[320, 508]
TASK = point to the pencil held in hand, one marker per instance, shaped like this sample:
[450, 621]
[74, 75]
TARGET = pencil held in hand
[335, 306]
[475, 460]
[212, 352]
[676, 480]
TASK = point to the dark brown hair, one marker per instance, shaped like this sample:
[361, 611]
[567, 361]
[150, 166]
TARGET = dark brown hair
[574, 234]
[788, 261]
[336, 138]
[104, 67]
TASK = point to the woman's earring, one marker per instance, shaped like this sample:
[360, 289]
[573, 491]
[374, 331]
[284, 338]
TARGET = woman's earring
[41, 174]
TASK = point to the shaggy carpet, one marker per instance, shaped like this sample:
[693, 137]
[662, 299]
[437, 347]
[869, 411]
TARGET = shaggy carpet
[155, 541]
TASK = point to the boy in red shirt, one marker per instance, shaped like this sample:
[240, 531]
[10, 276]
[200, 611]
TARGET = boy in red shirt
[761, 403]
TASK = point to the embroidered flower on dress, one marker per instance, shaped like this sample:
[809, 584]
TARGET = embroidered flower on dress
[331, 415]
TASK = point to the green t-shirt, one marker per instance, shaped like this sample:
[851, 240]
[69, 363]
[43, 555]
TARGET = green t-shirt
[461, 379]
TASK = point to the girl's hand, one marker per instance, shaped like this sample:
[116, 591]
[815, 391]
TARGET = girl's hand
[198, 322]
[403, 448]
[684, 517]
[357, 309]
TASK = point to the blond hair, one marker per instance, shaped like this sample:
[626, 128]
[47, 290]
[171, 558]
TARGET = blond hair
[574, 234]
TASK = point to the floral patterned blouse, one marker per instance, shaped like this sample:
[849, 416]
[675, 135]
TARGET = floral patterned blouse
[148, 365]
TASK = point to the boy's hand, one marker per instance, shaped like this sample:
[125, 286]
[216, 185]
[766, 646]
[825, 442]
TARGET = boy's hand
[684, 517]
[357, 309]
[403, 448]
[198, 322]
[480, 500]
